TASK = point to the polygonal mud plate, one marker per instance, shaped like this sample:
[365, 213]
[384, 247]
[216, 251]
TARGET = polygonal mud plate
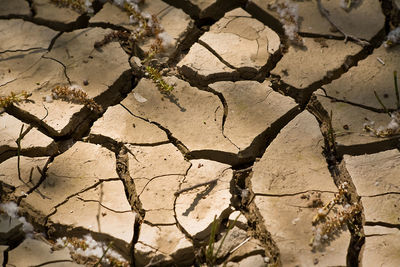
[375, 173]
[51, 12]
[10, 129]
[30, 176]
[18, 34]
[242, 42]
[187, 112]
[252, 109]
[164, 244]
[195, 209]
[363, 21]
[75, 171]
[75, 52]
[293, 162]
[22, 44]
[35, 252]
[112, 14]
[118, 124]
[84, 63]
[376, 179]
[204, 67]
[157, 172]
[37, 76]
[358, 84]
[102, 209]
[14, 7]
[288, 219]
[381, 247]
[238, 45]
[385, 208]
[289, 181]
[349, 130]
[323, 59]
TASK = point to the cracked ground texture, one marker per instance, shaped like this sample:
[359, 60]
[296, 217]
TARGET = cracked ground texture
[260, 136]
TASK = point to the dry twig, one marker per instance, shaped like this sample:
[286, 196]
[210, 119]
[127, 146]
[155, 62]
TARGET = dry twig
[347, 36]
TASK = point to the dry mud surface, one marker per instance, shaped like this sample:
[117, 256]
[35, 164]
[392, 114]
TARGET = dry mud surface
[261, 136]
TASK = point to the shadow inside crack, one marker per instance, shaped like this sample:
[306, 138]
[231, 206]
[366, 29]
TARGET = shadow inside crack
[7, 152]
[219, 156]
[369, 148]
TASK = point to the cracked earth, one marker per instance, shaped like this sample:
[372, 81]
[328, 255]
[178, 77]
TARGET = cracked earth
[258, 134]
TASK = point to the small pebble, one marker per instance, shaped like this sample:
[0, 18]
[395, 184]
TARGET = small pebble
[49, 99]
[295, 220]
[85, 82]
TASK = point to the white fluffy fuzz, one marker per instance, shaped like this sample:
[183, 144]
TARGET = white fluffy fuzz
[11, 208]
[167, 40]
[88, 5]
[119, 2]
[94, 248]
[393, 38]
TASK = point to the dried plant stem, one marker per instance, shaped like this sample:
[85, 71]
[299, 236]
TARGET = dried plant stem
[231, 225]
[396, 89]
[157, 78]
[22, 134]
[13, 98]
[105, 252]
[210, 257]
[349, 4]
[331, 133]
[380, 102]
[326, 209]
[19, 153]
[325, 13]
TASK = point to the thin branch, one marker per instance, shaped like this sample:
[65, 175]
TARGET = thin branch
[396, 89]
[380, 102]
[22, 134]
[51, 262]
[102, 205]
[347, 36]
[104, 253]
